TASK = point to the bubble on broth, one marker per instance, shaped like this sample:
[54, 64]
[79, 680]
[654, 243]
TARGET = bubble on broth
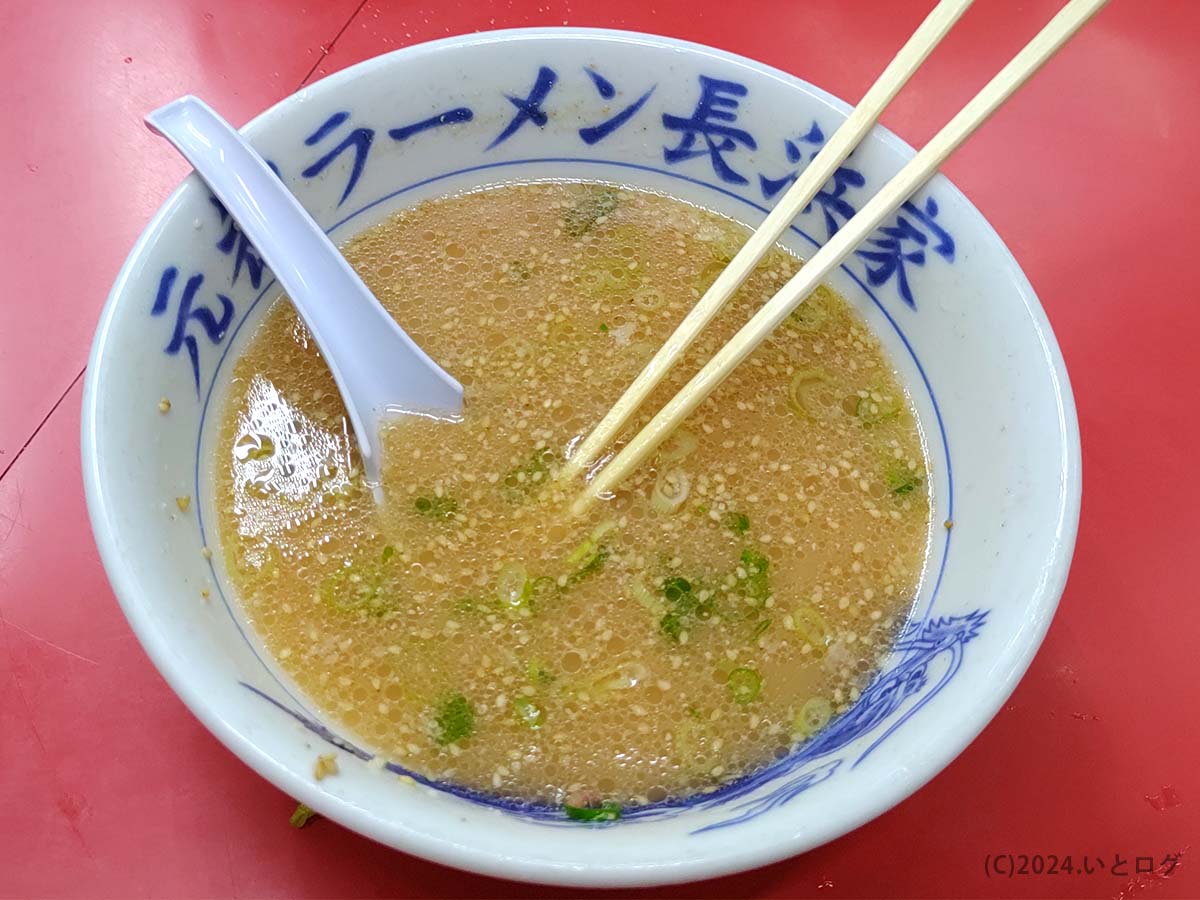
[472, 629]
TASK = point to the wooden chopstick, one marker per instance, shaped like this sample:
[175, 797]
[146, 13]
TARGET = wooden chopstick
[927, 36]
[920, 169]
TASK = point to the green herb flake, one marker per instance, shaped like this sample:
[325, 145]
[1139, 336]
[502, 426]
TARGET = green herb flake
[761, 627]
[587, 212]
[357, 588]
[675, 589]
[455, 720]
[738, 523]
[871, 413]
[744, 684]
[902, 480]
[608, 811]
[755, 585]
[594, 563]
[388, 552]
[537, 673]
[816, 312]
[518, 483]
[684, 606]
[436, 507]
[812, 717]
[302, 816]
[671, 625]
[514, 590]
[604, 327]
[528, 713]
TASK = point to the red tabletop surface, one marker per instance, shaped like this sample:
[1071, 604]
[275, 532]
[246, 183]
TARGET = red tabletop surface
[109, 787]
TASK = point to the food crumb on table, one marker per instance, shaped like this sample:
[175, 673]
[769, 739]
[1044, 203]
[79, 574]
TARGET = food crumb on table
[326, 764]
[302, 816]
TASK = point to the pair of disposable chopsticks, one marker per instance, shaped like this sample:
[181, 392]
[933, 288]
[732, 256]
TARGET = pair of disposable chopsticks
[919, 170]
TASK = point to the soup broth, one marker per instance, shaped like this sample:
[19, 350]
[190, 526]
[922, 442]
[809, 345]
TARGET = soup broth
[733, 596]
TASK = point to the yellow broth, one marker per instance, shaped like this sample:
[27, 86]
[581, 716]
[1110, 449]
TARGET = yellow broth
[733, 596]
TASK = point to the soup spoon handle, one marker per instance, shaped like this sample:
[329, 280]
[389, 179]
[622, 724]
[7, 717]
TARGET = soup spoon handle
[377, 366]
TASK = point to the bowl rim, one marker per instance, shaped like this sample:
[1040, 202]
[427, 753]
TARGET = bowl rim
[1016, 657]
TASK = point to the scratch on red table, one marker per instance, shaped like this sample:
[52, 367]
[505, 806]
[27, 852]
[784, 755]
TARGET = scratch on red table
[46, 641]
[11, 521]
[232, 869]
[326, 49]
[69, 805]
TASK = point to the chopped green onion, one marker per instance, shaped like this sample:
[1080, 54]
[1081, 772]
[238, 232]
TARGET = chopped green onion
[755, 585]
[744, 684]
[537, 673]
[355, 588]
[590, 555]
[648, 298]
[802, 395]
[581, 552]
[671, 625]
[679, 445]
[643, 596]
[302, 816]
[813, 716]
[704, 280]
[625, 676]
[871, 413]
[738, 523]
[813, 628]
[593, 564]
[519, 482]
[675, 588]
[605, 275]
[902, 480]
[454, 721]
[816, 310]
[528, 713]
[608, 811]
[602, 529]
[388, 552]
[761, 627]
[593, 206]
[436, 507]
[671, 489]
[513, 587]
[685, 605]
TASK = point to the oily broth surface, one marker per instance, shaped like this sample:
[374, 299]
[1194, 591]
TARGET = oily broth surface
[606, 680]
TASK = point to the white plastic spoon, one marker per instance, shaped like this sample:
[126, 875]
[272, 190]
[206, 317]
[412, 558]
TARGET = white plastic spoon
[378, 368]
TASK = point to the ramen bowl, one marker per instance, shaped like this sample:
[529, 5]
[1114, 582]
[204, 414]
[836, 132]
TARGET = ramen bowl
[935, 283]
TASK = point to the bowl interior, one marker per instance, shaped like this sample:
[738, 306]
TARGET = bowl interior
[956, 315]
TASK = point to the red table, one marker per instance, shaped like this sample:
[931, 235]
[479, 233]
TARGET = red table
[108, 786]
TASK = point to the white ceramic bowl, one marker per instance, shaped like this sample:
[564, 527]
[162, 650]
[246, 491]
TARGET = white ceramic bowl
[957, 315]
